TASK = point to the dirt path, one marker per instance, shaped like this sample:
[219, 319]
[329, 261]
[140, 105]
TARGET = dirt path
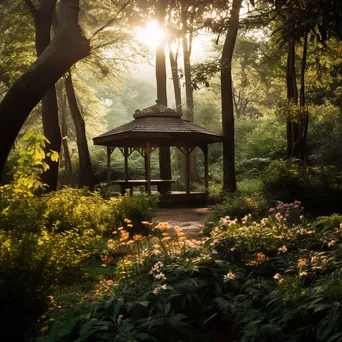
[190, 219]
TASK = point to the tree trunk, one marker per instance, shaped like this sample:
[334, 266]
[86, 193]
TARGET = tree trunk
[68, 46]
[175, 79]
[178, 99]
[304, 112]
[229, 179]
[292, 127]
[86, 174]
[187, 48]
[42, 18]
[164, 152]
[68, 174]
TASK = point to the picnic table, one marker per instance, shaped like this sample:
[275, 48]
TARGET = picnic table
[162, 184]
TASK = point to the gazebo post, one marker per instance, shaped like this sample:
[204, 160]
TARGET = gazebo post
[206, 167]
[126, 163]
[148, 167]
[108, 164]
[187, 170]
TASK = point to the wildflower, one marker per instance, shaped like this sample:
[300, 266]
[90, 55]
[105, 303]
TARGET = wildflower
[130, 225]
[214, 251]
[271, 210]
[127, 220]
[340, 225]
[138, 237]
[301, 217]
[303, 274]
[302, 262]
[145, 222]
[232, 249]
[281, 281]
[164, 287]
[163, 226]
[114, 232]
[331, 243]
[103, 265]
[124, 235]
[277, 276]
[229, 276]
[156, 290]
[282, 249]
[160, 276]
[110, 244]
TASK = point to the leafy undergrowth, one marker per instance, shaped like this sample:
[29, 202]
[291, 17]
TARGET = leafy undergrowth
[278, 279]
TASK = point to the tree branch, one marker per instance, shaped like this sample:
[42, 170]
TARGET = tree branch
[111, 21]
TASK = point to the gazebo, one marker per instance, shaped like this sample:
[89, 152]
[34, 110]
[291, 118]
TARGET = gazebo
[154, 127]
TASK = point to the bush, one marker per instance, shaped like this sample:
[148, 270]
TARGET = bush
[249, 198]
[80, 209]
[318, 188]
[31, 266]
[137, 208]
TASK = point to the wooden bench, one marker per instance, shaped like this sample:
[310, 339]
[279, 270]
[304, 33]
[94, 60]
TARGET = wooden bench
[162, 184]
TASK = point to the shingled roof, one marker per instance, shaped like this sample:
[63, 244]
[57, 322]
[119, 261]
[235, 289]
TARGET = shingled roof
[158, 125]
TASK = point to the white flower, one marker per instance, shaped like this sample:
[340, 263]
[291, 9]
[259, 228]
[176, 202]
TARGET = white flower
[229, 276]
[282, 249]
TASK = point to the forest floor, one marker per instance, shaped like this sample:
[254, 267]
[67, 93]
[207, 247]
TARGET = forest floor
[190, 219]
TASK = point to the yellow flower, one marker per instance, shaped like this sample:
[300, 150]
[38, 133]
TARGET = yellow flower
[130, 225]
[114, 232]
[277, 276]
[138, 237]
[145, 222]
[127, 220]
[120, 228]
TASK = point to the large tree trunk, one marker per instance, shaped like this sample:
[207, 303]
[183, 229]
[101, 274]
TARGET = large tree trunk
[164, 152]
[42, 18]
[68, 46]
[68, 174]
[86, 174]
[229, 179]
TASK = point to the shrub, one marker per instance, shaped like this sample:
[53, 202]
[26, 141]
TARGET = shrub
[80, 209]
[249, 198]
[31, 266]
[318, 188]
[137, 208]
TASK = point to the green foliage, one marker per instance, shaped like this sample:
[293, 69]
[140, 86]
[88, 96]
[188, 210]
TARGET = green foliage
[249, 198]
[318, 188]
[136, 208]
[80, 209]
[31, 266]
[19, 207]
[252, 281]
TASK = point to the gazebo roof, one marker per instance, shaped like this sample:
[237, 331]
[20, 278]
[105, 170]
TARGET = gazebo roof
[158, 125]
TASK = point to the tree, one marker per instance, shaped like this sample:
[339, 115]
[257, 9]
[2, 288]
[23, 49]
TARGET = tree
[68, 46]
[229, 179]
[86, 175]
[164, 152]
[42, 17]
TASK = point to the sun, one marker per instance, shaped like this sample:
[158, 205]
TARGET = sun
[151, 34]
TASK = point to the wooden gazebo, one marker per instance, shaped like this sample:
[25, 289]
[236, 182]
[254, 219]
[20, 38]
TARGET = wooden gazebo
[154, 127]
